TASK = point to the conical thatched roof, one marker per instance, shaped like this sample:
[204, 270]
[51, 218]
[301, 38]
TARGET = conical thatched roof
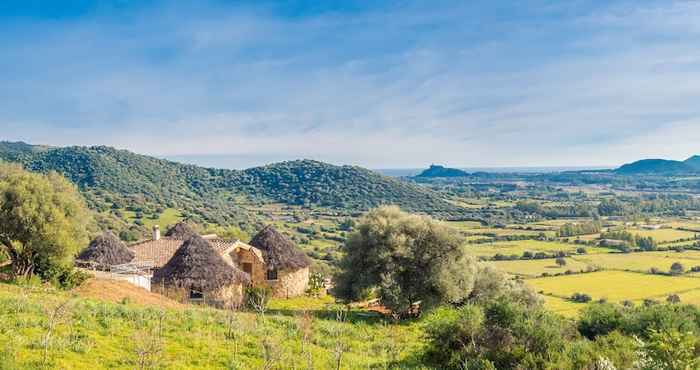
[107, 249]
[181, 230]
[197, 266]
[279, 252]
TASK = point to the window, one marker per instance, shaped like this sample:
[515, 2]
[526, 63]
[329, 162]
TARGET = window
[248, 268]
[194, 294]
[272, 274]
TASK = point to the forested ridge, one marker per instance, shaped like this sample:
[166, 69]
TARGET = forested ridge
[112, 178]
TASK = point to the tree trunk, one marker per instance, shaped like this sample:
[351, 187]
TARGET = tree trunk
[22, 269]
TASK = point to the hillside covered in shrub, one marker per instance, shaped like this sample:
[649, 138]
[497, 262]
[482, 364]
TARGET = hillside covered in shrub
[116, 179]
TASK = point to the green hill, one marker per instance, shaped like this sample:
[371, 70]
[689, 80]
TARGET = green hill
[440, 171]
[118, 179]
[655, 167]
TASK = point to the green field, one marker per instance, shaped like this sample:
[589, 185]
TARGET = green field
[170, 216]
[535, 268]
[663, 235]
[563, 307]
[521, 246]
[642, 261]
[615, 286]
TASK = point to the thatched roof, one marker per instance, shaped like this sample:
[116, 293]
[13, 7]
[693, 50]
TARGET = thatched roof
[181, 231]
[196, 265]
[279, 252]
[107, 249]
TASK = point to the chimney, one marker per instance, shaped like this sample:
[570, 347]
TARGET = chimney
[156, 232]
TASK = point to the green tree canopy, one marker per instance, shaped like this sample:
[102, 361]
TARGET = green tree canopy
[405, 258]
[43, 220]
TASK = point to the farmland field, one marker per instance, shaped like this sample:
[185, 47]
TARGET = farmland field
[664, 235]
[640, 261]
[562, 306]
[520, 246]
[533, 268]
[616, 286]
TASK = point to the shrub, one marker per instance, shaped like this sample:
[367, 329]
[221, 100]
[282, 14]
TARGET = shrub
[581, 298]
[257, 298]
[677, 268]
[581, 250]
[673, 299]
[599, 319]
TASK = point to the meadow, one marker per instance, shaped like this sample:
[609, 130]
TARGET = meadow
[44, 328]
[521, 246]
[535, 268]
[663, 235]
[615, 286]
[641, 262]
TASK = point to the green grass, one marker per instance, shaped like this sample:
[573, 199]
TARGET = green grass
[521, 246]
[99, 335]
[616, 286]
[642, 261]
[664, 235]
[563, 307]
[535, 268]
[169, 217]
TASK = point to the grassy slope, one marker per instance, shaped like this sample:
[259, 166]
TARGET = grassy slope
[96, 334]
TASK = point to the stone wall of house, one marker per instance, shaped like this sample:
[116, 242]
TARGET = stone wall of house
[290, 283]
[226, 297]
[242, 256]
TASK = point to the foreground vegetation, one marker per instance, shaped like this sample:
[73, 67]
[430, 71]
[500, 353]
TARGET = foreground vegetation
[44, 328]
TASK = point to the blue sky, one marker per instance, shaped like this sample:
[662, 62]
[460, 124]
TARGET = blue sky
[375, 83]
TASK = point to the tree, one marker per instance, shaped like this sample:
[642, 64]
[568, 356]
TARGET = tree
[43, 221]
[561, 262]
[677, 268]
[405, 259]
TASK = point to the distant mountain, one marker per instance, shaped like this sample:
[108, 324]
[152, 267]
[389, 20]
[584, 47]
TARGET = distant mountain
[117, 179]
[440, 171]
[694, 162]
[655, 167]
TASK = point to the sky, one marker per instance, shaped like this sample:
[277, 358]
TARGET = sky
[381, 84]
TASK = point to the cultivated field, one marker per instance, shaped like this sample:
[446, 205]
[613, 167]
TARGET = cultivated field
[535, 268]
[641, 262]
[615, 286]
[521, 246]
[664, 235]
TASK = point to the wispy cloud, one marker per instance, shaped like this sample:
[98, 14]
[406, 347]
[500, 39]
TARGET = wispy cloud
[475, 84]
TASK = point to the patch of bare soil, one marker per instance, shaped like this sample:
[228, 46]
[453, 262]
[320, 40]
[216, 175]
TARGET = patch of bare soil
[116, 291]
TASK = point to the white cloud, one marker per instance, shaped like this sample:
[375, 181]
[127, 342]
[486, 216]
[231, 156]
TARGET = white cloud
[556, 86]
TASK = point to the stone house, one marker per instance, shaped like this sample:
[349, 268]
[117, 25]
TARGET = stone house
[275, 262]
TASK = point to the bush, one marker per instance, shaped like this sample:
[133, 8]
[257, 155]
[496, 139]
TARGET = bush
[599, 319]
[581, 250]
[499, 335]
[677, 269]
[257, 298]
[581, 298]
[65, 277]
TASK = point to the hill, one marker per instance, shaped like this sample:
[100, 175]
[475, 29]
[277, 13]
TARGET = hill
[655, 167]
[114, 179]
[440, 171]
[694, 162]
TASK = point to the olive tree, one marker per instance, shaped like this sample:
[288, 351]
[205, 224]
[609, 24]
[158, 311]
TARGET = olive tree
[43, 220]
[404, 259]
